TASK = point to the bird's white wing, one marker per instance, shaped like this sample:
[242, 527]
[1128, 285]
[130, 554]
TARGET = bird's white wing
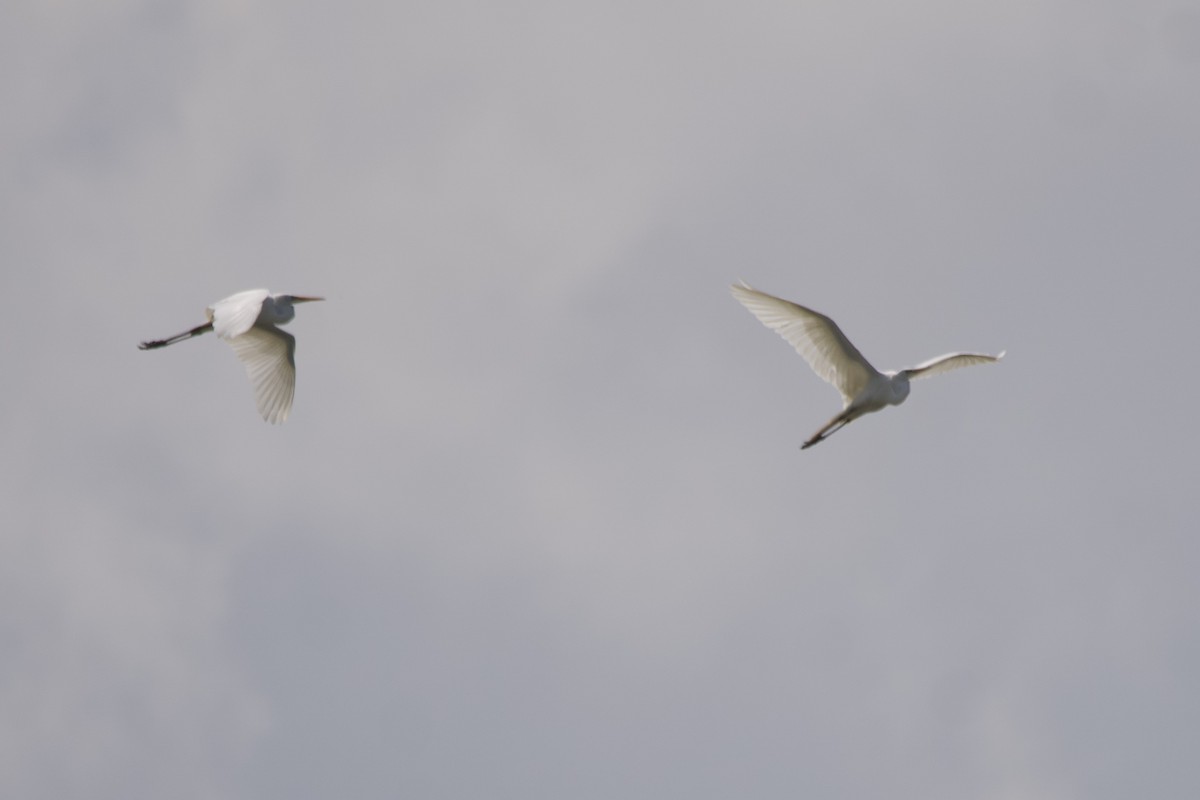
[936, 366]
[269, 357]
[236, 314]
[815, 336]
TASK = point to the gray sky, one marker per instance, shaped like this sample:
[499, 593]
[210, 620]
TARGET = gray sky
[538, 526]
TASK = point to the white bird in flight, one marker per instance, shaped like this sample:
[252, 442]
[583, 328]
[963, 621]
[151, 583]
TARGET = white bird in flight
[248, 320]
[831, 355]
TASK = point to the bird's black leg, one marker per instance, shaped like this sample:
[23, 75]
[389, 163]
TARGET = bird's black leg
[179, 337]
[833, 426]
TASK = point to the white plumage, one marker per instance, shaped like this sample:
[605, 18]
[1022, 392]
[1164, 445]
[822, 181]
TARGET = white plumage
[835, 359]
[249, 322]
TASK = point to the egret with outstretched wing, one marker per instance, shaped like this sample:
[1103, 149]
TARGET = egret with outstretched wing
[831, 355]
[249, 322]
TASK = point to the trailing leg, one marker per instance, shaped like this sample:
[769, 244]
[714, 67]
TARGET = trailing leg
[833, 426]
[179, 337]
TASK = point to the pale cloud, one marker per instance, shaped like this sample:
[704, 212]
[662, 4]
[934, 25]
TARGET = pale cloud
[538, 525]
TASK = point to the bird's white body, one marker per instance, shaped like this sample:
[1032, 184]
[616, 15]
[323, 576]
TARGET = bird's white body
[248, 321]
[818, 339]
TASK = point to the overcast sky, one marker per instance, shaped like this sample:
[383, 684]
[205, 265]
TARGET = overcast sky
[538, 526]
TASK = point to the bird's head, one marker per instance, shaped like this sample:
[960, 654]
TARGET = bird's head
[899, 386]
[280, 309]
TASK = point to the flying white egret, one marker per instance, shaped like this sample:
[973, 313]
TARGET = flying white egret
[248, 320]
[831, 355]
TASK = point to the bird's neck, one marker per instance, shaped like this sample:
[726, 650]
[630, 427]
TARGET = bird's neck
[276, 311]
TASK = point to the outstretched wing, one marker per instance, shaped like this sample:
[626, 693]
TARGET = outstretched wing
[269, 357]
[936, 366]
[815, 336]
[236, 314]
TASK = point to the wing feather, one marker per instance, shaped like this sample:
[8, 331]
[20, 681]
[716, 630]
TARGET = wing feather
[815, 336]
[237, 313]
[948, 362]
[269, 357]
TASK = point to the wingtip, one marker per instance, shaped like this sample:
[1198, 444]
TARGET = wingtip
[1003, 353]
